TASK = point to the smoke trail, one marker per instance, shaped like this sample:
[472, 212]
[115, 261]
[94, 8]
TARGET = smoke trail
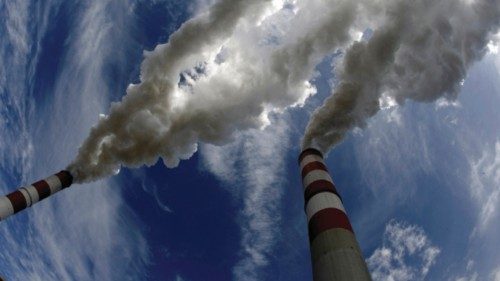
[421, 52]
[209, 81]
[146, 123]
[227, 69]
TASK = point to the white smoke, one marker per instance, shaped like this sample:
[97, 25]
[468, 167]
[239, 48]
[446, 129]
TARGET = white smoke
[226, 69]
[157, 117]
[223, 71]
[421, 51]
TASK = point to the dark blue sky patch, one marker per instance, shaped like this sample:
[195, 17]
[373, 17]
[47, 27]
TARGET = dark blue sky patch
[200, 232]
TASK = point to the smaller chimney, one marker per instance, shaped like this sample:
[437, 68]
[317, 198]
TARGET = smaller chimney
[335, 253]
[26, 196]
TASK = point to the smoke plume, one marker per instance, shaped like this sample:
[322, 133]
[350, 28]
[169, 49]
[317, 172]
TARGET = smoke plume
[421, 52]
[227, 69]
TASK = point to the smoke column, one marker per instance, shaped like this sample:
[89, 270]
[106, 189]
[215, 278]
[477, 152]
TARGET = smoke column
[147, 123]
[421, 52]
[223, 71]
[227, 69]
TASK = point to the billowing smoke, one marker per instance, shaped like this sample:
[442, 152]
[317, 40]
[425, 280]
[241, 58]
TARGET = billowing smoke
[221, 72]
[227, 69]
[152, 120]
[421, 52]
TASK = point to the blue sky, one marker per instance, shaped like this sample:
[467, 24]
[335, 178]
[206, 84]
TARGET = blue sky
[421, 183]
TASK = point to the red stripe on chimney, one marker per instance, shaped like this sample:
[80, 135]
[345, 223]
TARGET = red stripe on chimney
[327, 219]
[18, 201]
[65, 178]
[316, 165]
[309, 151]
[43, 189]
[319, 186]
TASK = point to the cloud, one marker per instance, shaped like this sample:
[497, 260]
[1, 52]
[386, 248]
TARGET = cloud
[64, 240]
[85, 232]
[471, 273]
[406, 254]
[493, 45]
[453, 161]
[485, 185]
[495, 275]
[472, 277]
[151, 188]
[254, 176]
[14, 52]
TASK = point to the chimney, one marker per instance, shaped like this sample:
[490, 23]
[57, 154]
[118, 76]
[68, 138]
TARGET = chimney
[335, 253]
[26, 196]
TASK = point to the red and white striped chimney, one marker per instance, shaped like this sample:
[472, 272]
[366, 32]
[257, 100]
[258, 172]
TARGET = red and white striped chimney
[25, 197]
[335, 253]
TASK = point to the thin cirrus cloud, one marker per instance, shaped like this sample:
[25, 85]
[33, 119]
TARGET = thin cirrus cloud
[14, 49]
[406, 254]
[93, 237]
[450, 150]
[485, 182]
[260, 167]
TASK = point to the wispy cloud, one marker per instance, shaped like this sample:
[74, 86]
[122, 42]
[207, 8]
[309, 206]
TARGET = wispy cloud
[485, 185]
[495, 275]
[470, 274]
[253, 167]
[85, 232]
[406, 254]
[14, 52]
[151, 188]
[178, 278]
[471, 277]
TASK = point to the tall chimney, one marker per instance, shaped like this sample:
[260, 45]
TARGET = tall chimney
[335, 253]
[26, 196]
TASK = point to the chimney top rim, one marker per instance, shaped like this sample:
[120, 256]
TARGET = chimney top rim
[309, 151]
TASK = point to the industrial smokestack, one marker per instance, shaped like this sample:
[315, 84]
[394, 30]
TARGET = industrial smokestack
[27, 196]
[335, 252]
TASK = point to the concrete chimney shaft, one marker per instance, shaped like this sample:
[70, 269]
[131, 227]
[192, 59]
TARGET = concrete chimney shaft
[27, 196]
[335, 253]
